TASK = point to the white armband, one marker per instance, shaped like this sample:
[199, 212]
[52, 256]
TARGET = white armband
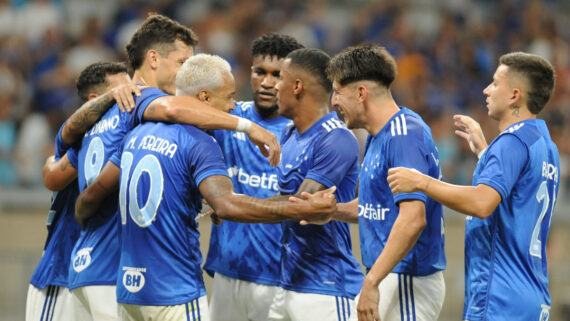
[481, 153]
[243, 125]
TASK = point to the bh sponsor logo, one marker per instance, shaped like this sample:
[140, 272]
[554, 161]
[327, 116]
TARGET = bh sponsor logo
[263, 181]
[372, 211]
[133, 278]
[82, 259]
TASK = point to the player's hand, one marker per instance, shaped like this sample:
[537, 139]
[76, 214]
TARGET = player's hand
[322, 204]
[316, 221]
[470, 130]
[405, 180]
[264, 139]
[216, 220]
[81, 221]
[123, 94]
[367, 307]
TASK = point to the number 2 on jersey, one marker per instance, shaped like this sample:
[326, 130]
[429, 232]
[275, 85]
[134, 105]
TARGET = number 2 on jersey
[150, 165]
[535, 243]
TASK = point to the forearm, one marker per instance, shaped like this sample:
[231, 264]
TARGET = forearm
[189, 110]
[347, 212]
[403, 236]
[84, 117]
[470, 200]
[242, 208]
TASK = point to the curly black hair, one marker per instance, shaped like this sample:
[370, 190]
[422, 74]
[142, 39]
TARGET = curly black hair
[274, 44]
[94, 76]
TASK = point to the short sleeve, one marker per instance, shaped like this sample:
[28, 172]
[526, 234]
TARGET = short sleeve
[61, 146]
[207, 160]
[72, 155]
[116, 157]
[334, 156]
[409, 151]
[148, 95]
[504, 160]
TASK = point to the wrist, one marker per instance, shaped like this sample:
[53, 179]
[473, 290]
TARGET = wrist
[425, 184]
[481, 153]
[243, 125]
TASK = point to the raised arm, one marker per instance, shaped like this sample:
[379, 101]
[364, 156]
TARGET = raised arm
[218, 191]
[189, 110]
[56, 175]
[89, 201]
[479, 201]
[91, 111]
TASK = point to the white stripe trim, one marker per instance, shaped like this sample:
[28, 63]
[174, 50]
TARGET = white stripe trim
[404, 124]
[398, 126]
[392, 128]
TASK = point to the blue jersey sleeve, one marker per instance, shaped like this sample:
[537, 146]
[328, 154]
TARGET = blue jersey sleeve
[148, 95]
[505, 159]
[116, 157]
[73, 154]
[409, 151]
[60, 146]
[335, 154]
[207, 160]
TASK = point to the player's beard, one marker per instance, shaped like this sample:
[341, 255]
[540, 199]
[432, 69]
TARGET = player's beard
[267, 111]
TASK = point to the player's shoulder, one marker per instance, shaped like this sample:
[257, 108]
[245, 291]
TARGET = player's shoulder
[242, 108]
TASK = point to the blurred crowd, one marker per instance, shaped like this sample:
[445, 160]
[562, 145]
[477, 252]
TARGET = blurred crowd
[447, 52]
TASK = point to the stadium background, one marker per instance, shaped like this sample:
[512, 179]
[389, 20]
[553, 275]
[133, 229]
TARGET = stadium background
[447, 51]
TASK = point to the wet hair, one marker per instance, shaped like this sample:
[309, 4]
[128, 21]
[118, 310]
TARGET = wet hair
[199, 72]
[538, 73]
[274, 44]
[94, 78]
[363, 62]
[160, 33]
[313, 61]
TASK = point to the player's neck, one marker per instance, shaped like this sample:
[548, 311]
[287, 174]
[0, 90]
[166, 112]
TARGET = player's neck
[308, 114]
[144, 77]
[378, 113]
[514, 115]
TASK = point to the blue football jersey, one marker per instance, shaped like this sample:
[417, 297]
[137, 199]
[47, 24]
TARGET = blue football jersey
[505, 258]
[161, 168]
[249, 252]
[63, 232]
[95, 257]
[318, 258]
[404, 141]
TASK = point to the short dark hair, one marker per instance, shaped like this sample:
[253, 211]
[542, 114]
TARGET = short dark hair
[157, 32]
[274, 44]
[315, 62]
[363, 62]
[93, 78]
[539, 74]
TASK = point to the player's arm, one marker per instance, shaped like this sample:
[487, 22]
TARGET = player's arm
[479, 201]
[405, 232]
[218, 191]
[189, 110]
[56, 175]
[89, 201]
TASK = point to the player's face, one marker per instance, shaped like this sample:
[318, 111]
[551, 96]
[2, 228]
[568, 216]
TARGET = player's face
[264, 76]
[345, 101]
[285, 95]
[168, 66]
[223, 97]
[498, 93]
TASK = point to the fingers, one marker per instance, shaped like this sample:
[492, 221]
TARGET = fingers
[462, 134]
[294, 199]
[275, 151]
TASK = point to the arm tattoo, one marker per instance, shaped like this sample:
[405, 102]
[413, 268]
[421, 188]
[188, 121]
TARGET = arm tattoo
[89, 113]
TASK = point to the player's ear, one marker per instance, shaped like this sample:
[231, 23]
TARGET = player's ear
[298, 87]
[361, 93]
[152, 58]
[204, 96]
